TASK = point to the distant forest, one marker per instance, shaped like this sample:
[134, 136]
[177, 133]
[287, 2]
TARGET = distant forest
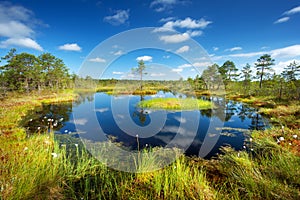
[24, 72]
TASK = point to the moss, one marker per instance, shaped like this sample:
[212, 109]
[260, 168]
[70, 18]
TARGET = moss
[176, 104]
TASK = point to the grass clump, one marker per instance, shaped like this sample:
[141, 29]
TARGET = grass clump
[176, 104]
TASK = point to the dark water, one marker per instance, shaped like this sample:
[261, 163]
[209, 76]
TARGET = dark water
[99, 116]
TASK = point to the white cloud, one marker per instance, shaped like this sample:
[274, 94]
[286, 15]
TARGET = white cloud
[234, 49]
[163, 5]
[120, 17]
[98, 60]
[166, 19]
[175, 38]
[177, 70]
[118, 53]
[195, 33]
[215, 48]
[282, 20]
[183, 49]
[184, 66]
[144, 58]
[70, 47]
[290, 51]
[278, 68]
[21, 42]
[101, 110]
[157, 74]
[118, 73]
[16, 26]
[292, 11]
[187, 23]
[248, 55]
[15, 29]
[166, 57]
[202, 64]
[163, 29]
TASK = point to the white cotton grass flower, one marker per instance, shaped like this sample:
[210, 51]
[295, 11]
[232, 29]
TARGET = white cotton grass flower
[136, 135]
[250, 139]
[30, 120]
[39, 128]
[66, 131]
[244, 147]
[290, 144]
[278, 141]
[26, 148]
[76, 145]
[295, 136]
[47, 142]
[281, 138]
[54, 155]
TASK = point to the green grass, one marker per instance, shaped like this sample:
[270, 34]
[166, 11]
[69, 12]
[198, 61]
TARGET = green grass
[176, 104]
[48, 166]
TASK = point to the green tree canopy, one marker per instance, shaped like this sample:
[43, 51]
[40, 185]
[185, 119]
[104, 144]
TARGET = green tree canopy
[263, 67]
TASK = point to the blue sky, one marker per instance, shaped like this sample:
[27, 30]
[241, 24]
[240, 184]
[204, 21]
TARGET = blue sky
[235, 30]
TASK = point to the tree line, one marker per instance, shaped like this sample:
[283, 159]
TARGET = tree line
[264, 82]
[26, 72]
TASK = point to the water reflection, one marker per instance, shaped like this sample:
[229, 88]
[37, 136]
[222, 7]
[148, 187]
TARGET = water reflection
[178, 128]
[140, 113]
[47, 117]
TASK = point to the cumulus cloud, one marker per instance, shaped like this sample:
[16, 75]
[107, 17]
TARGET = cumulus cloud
[144, 58]
[120, 17]
[282, 20]
[175, 38]
[21, 42]
[183, 49]
[186, 23]
[98, 60]
[17, 26]
[70, 47]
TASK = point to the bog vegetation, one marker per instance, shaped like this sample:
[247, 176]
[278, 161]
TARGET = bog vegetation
[48, 166]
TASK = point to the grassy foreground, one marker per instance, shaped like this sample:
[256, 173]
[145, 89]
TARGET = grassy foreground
[42, 167]
[176, 104]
